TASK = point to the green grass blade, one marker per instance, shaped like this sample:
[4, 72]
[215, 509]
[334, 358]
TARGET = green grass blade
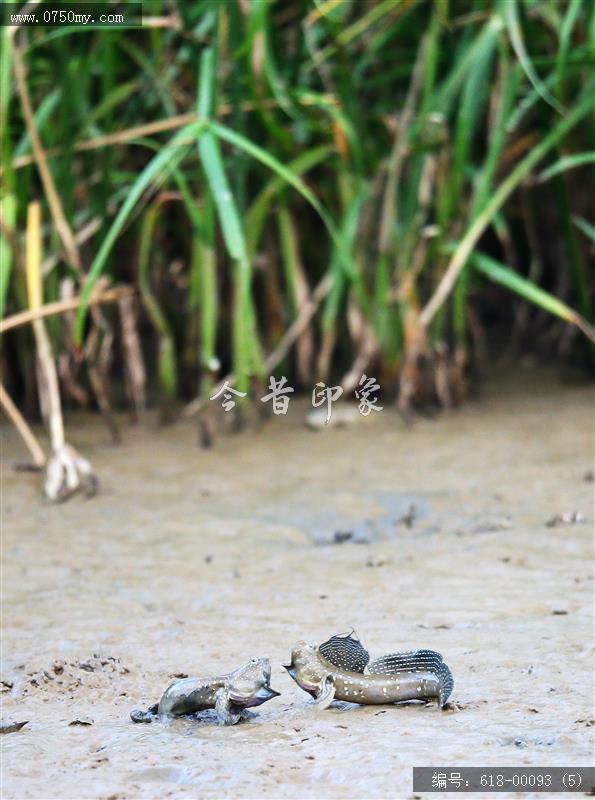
[566, 163]
[473, 100]
[291, 178]
[572, 12]
[228, 214]
[118, 95]
[505, 276]
[481, 222]
[208, 290]
[511, 17]
[573, 253]
[484, 182]
[375, 13]
[246, 351]
[450, 87]
[8, 208]
[255, 217]
[157, 169]
[585, 227]
[5, 98]
[43, 115]
[348, 233]
[166, 360]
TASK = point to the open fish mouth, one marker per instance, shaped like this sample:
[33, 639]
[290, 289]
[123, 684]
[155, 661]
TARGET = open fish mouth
[264, 694]
[291, 669]
[267, 693]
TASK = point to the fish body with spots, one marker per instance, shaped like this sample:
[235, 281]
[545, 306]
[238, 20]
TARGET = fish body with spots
[340, 670]
[380, 689]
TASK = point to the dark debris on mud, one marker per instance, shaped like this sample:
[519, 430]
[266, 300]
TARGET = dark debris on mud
[66, 676]
[83, 721]
[12, 727]
[567, 518]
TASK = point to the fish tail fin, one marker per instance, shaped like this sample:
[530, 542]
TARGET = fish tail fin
[446, 683]
[416, 661]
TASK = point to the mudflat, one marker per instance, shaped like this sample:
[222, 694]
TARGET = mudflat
[190, 562]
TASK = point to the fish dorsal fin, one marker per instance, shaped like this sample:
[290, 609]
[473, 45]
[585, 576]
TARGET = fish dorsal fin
[406, 661]
[346, 652]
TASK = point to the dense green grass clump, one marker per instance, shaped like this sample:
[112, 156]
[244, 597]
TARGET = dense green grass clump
[360, 167]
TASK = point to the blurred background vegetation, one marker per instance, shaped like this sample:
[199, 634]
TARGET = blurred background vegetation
[319, 188]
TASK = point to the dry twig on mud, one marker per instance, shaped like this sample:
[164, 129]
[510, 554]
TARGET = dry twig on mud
[53, 198]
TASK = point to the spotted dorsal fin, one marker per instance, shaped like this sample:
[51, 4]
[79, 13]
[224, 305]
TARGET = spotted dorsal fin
[346, 652]
[406, 661]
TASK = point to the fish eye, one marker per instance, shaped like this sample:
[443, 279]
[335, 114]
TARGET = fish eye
[254, 661]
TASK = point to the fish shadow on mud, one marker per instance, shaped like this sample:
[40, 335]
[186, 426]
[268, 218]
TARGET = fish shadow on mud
[342, 707]
[190, 724]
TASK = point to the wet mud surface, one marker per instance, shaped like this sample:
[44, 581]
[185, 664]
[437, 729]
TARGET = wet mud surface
[191, 562]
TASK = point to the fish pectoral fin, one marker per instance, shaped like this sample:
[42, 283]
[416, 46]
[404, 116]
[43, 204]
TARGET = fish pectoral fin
[326, 693]
[227, 712]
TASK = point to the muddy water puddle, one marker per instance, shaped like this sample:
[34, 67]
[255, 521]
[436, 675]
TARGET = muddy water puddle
[191, 562]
